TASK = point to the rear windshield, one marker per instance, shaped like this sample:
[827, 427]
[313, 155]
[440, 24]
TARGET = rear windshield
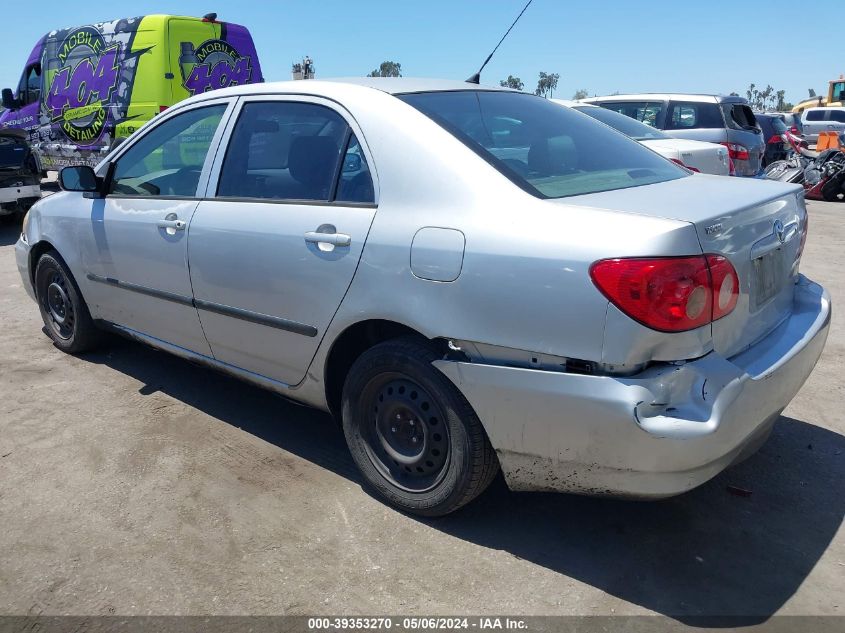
[548, 150]
[12, 152]
[625, 124]
[740, 117]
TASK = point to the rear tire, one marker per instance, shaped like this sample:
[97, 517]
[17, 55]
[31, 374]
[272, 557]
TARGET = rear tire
[413, 435]
[66, 318]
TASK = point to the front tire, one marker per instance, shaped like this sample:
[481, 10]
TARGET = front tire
[413, 435]
[66, 318]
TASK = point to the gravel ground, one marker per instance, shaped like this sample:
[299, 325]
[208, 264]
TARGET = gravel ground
[132, 482]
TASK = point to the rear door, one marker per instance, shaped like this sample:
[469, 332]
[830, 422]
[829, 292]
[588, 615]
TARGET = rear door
[276, 242]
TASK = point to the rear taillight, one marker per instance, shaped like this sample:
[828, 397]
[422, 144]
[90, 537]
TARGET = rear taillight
[737, 151]
[670, 294]
[794, 130]
[684, 165]
[725, 283]
[777, 138]
[804, 230]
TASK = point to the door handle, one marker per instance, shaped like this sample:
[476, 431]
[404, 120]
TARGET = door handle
[335, 239]
[176, 225]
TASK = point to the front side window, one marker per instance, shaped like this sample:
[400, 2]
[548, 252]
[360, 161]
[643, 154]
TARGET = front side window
[548, 150]
[693, 115]
[815, 115]
[283, 150]
[168, 160]
[628, 126]
[647, 112]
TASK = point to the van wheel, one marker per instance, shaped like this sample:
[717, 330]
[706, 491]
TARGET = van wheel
[413, 435]
[65, 315]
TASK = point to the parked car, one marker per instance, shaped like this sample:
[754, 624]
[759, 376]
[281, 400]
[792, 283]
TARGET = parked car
[469, 278]
[792, 120]
[774, 131]
[815, 120]
[728, 121]
[87, 87]
[707, 158]
[20, 173]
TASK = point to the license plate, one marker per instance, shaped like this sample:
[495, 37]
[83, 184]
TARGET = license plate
[769, 276]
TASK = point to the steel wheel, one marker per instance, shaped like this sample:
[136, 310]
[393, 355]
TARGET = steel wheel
[58, 305]
[406, 439]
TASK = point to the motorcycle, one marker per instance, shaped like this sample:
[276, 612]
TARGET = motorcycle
[821, 173]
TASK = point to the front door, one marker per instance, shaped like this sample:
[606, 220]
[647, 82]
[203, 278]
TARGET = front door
[136, 256]
[274, 246]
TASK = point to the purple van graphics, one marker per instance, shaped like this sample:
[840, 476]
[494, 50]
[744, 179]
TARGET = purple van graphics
[82, 87]
[213, 64]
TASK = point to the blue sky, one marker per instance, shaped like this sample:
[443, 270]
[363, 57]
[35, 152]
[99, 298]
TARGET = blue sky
[603, 46]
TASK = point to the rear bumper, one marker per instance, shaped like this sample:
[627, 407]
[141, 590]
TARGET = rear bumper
[656, 434]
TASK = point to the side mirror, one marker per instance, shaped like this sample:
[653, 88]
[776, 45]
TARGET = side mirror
[9, 101]
[351, 162]
[79, 178]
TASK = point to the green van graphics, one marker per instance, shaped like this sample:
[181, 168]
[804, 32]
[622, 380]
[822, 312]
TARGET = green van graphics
[86, 86]
[213, 64]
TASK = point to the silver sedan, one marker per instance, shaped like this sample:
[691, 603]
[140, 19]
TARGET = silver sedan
[471, 279]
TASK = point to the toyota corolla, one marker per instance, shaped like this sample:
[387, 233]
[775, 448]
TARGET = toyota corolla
[471, 279]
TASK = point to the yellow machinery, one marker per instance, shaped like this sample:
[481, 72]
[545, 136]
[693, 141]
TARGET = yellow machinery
[835, 96]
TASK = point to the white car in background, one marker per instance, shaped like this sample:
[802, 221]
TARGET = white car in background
[707, 158]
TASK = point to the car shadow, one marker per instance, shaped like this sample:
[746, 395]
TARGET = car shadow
[735, 549]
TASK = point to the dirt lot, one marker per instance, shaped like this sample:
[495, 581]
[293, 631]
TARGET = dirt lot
[132, 482]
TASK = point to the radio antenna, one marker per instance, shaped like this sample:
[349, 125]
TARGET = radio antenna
[476, 78]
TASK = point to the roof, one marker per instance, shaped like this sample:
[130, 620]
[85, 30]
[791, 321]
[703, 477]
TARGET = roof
[405, 85]
[665, 96]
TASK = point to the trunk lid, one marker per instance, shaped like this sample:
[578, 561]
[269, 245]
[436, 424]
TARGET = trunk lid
[741, 219]
[708, 158]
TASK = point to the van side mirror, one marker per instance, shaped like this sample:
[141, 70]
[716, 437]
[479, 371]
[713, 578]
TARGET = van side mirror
[79, 178]
[9, 101]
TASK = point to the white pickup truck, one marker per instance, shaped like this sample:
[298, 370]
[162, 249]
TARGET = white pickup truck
[20, 173]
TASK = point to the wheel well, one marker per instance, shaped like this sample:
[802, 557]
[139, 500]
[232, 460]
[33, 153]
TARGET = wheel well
[35, 254]
[353, 342]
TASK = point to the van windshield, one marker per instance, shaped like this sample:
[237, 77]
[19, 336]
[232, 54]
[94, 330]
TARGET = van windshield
[548, 150]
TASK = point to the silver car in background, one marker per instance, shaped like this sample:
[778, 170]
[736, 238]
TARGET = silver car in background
[727, 120]
[706, 158]
[470, 278]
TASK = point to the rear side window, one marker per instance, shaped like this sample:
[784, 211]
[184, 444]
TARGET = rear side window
[815, 115]
[739, 116]
[690, 115]
[548, 150]
[837, 115]
[283, 150]
[647, 112]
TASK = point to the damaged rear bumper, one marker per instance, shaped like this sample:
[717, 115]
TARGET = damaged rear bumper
[655, 434]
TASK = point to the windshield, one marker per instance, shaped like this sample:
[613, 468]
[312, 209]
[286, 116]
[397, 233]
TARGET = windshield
[625, 124]
[12, 152]
[548, 150]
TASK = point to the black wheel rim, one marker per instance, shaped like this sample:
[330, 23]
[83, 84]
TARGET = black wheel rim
[405, 433]
[58, 308]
